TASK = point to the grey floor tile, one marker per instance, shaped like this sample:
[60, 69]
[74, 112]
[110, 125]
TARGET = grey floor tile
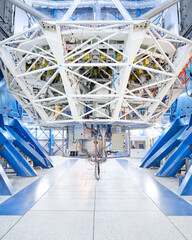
[60, 193]
[53, 225]
[183, 224]
[60, 204]
[113, 195]
[74, 182]
[6, 223]
[120, 188]
[134, 226]
[125, 205]
[86, 188]
[120, 181]
[95, 182]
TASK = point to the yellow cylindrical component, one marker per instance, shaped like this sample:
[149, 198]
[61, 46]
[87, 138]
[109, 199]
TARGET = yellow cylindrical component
[155, 65]
[57, 108]
[146, 62]
[133, 78]
[87, 57]
[51, 72]
[103, 57]
[71, 59]
[44, 62]
[87, 68]
[95, 72]
[140, 71]
[135, 60]
[27, 67]
[119, 57]
[35, 66]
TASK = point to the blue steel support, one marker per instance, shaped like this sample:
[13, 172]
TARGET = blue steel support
[176, 160]
[27, 149]
[51, 142]
[5, 186]
[168, 147]
[55, 12]
[138, 13]
[185, 187]
[13, 157]
[175, 127]
[112, 14]
[24, 133]
[74, 19]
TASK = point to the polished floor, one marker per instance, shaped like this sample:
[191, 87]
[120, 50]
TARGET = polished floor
[72, 205]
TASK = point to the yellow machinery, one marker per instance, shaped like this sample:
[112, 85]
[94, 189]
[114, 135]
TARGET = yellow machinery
[146, 62]
[95, 72]
[119, 57]
[87, 57]
[57, 109]
[44, 62]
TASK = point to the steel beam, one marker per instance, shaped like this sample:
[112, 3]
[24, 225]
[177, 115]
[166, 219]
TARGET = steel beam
[122, 10]
[185, 187]
[24, 133]
[6, 187]
[25, 7]
[27, 149]
[162, 7]
[13, 157]
[177, 159]
[165, 137]
[70, 11]
[166, 149]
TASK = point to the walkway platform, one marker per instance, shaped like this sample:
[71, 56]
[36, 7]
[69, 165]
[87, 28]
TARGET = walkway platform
[69, 204]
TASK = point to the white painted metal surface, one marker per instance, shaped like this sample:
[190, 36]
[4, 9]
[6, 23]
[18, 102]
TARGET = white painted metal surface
[113, 72]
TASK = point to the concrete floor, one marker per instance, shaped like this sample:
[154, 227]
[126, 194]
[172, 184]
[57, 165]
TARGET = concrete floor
[78, 207]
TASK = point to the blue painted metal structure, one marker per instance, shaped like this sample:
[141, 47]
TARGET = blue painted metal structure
[25, 134]
[176, 141]
[14, 136]
[27, 149]
[13, 156]
[169, 203]
[176, 161]
[23, 201]
[166, 143]
[5, 185]
[85, 12]
[53, 140]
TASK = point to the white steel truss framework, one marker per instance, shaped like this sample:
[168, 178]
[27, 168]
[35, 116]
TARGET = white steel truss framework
[122, 72]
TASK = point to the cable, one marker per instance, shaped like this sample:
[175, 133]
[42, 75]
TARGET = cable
[185, 67]
[90, 129]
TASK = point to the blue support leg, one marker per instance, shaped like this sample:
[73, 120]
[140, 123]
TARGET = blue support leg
[51, 142]
[27, 149]
[176, 160]
[16, 160]
[6, 187]
[175, 127]
[24, 133]
[186, 186]
[168, 147]
[13, 157]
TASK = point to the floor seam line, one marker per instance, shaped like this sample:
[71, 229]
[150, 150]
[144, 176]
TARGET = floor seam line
[177, 228]
[94, 215]
[145, 192]
[21, 215]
